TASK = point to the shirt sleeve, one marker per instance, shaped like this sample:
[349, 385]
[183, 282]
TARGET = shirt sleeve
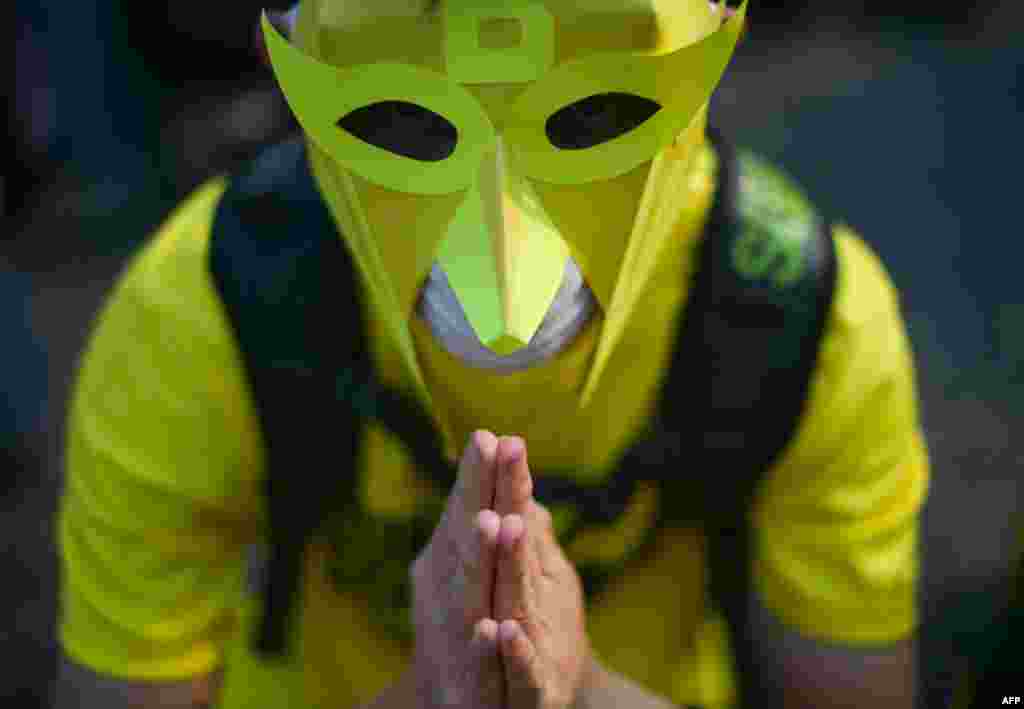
[837, 557]
[162, 458]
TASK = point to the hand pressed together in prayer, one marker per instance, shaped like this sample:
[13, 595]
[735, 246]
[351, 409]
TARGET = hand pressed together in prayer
[498, 607]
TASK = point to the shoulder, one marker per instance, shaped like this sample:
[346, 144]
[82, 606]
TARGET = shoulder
[865, 344]
[861, 420]
[783, 241]
[779, 224]
[866, 377]
[168, 278]
[867, 301]
[161, 366]
[772, 264]
[861, 409]
[173, 275]
[840, 510]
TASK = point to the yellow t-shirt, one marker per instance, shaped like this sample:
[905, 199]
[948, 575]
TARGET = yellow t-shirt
[163, 498]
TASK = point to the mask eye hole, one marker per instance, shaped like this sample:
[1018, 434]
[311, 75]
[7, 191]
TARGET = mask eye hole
[597, 119]
[402, 128]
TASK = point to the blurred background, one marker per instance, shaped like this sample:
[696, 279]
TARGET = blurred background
[900, 117]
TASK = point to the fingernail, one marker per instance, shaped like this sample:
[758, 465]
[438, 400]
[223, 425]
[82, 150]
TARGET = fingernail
[488, 629]
[514, 447]
[489, 523]
[508, 630]
[512, 529]
[481, 439]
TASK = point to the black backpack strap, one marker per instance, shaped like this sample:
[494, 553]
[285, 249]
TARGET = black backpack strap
[288, 288]
[292, 295]
[743, 363]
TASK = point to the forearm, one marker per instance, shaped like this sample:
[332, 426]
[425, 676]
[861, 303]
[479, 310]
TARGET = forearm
[821, 675]
[605, 689]
[838, 678]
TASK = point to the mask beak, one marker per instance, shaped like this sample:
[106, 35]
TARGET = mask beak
[503, 257]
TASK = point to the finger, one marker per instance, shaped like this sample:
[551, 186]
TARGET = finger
[472, 493]
[513, 597]
[542, 538]
[470, 582]
[519, 658]
[514, 486]
[481, 585]
[476, 476]
[476, 527]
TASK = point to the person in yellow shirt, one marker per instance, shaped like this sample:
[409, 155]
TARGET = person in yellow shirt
[503, 219]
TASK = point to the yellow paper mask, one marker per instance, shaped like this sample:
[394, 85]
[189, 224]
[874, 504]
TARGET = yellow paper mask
[473, 138]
